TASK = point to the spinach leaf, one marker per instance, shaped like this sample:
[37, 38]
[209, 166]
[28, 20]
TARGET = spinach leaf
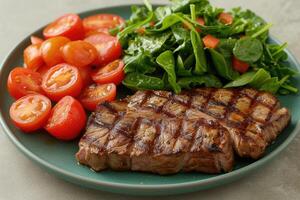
[183, 5]
[201, 65]
[167, 62]
[148, 5]
[139, 13]
[242, 80]
[162, 12]
[181, 71]
[166, 23]
[138, 81]
[223, 67]
[140, 63]
[248, 49]
[207, 80]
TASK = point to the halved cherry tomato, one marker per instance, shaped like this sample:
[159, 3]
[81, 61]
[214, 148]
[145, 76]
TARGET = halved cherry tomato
[51, 50]
[79, 53]
[67, 119]
[69, 25]
[62, 80]
[111, 73]
[239, 65]
[23, 81]
[100, 30]
[30, 112]
[102, 22]
[210, 41]
[32, 57]
[96, 94]
[85, 73]
[43, 70]
[109, 48]
[226, 18]
[36, 40]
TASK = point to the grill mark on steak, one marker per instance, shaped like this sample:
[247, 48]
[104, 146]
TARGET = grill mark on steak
[161, 132]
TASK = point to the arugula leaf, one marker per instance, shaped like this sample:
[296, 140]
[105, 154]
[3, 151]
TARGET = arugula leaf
[167, 62]
[201, 65]
[207, 80]
[222, 66]
[138, 81]
[248, 49]
[141, 63]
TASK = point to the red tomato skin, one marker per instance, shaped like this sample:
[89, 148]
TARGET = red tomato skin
[239, 65]
[226, 18]
[51, 50]
[210, 41]
[71, 122]
[19, 87]
[102, 21]
[91, 104]
[32, 57]
[79, 53]
[72, 90]
[85, 73]
[108, 47]
[39, 123]
[75, 31]
[106, 75]
[36, 40]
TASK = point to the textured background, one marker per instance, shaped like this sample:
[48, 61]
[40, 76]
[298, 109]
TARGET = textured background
[22, 179]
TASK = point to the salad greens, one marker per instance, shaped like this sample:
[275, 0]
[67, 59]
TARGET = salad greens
[164, 49]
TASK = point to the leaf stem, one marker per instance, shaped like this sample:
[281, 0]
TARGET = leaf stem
[262, 30]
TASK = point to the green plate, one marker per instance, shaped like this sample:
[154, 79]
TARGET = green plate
[58, 157]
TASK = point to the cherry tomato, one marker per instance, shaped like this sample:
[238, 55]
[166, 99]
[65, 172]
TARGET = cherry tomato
[79, 53]
[62, 80]
[30, 112]
[36, 40]
[210, 41]
[239, 65]
[226, 18]
[67, 119]
[102, 22]
[85, 73]
[43, 70]
[100, 30]
[23, 81]
[108, 47]
[32, 57]
[111, 73]
[51, 50]
[69, 25]
[96, 94]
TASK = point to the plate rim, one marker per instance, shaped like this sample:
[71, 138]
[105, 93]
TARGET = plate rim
[57, 170]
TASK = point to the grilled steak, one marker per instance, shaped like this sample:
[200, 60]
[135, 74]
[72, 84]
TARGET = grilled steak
[161, 132]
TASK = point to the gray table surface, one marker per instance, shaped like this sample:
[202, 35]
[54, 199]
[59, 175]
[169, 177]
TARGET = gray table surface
[22, 179]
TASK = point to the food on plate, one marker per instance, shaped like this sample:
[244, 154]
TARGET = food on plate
[69, 25]
[95, 94]
[36, 40]
[32, 57]
[62, 80]
[161, 132]
[51, 50]
[67, 119]
[195, 40]
[22, 81]
[30, 112]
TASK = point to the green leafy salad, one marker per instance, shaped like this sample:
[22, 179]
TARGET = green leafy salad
[190, 43]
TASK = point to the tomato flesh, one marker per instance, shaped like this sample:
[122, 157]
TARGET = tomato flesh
[210, 41]
[102, 22]
[62, 80]
[108, 47]
[23, 81]
[111, 73]
[96, 94]
[32, 57]
[79, 53]
[67, 119]
[36, 40]
[239, 65]
[30, 112]
[226, 18]
[51, 50]
[69, 25]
